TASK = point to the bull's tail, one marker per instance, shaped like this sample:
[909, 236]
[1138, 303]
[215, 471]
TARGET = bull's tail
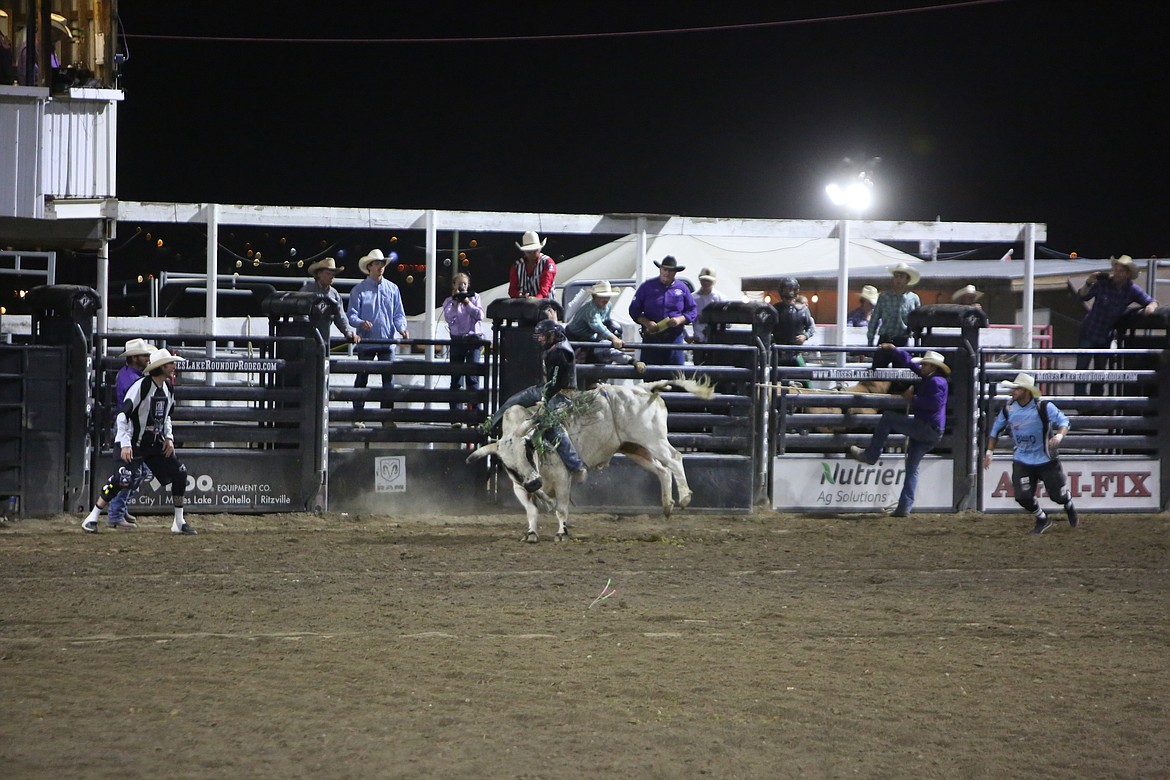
[702, 387]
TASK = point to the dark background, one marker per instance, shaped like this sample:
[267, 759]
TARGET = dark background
[1017, 110]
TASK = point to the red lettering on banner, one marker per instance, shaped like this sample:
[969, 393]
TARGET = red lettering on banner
[1101, 482]
[1139, 489]
[1003, 488]
[1074, 483]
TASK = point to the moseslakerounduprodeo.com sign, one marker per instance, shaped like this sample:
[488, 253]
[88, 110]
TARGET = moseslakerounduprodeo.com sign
[820, 484]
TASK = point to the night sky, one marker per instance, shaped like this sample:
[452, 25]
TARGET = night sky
[1018, 110]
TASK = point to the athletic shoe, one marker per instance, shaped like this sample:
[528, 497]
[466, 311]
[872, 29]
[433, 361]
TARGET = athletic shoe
[858, 454]
[89, 526]
[1042, 525]
[184, 529]
[124, 525]
[1072, 515]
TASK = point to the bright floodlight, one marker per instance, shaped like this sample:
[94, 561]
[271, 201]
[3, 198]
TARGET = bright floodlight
[856, 196]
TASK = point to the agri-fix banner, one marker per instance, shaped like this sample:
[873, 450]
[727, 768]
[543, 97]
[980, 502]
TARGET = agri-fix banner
[1119, 484]
[817, 484]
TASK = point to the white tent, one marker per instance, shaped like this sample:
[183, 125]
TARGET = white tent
[732, 258]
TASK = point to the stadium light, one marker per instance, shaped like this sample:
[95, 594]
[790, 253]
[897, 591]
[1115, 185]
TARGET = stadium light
[855, 194]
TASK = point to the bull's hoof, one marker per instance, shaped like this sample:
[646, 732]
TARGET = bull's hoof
[530, 537]
[562, 536]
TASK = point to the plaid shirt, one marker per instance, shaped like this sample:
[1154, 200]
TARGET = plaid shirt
[1109, 303]
[891, 310]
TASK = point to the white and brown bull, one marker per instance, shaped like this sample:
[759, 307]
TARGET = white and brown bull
[857, 392]
[630, 419]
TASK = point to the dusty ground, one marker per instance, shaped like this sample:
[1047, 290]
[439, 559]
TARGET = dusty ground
[735, 646]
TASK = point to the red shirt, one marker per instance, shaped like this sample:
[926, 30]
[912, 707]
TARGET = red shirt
[537, 283]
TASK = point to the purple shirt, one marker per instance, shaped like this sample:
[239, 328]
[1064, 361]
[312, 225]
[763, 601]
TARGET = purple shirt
[464, 319]
[127, 376]
[1109, 303]
[930, 395]
[655, 301]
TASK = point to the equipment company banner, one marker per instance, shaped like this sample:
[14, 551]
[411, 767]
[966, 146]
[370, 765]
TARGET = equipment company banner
[819, 484]
[1118, 484]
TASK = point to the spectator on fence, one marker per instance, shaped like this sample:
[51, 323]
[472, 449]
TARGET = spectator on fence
[706, 296]
[967, 296]
[794, 322]
[532, 276]
[1112, 294]
[323, 273]
[137, 354]
[146, 439]
[375, 310]
[1037, 429]
[591, 322]
[889, 322]
[463, 313]
[923, 429]
[664, 306]
[859, 317]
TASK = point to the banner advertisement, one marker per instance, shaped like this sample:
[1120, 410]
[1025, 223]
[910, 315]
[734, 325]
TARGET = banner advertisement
[230, 482]
[834, 484]
[1118, 484]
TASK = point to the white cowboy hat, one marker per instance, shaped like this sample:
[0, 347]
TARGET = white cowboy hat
[670, 263]
[902, 268]
[869, 293]
[968, 290]
[1025, 381]
[530, 242]
[935, 359]
[138, 347]
[1126, 262]
[375, 255]
[603, 289]
[328, 264]
[705, 274]
[159, 358]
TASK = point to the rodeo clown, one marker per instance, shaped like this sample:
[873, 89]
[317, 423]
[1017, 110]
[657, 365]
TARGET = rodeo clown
[1037, 429]
[145, 436]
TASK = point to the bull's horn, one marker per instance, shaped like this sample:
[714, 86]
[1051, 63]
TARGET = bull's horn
[482, 452]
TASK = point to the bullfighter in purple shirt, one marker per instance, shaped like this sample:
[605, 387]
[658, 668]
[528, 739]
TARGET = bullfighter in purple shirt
[923, 429]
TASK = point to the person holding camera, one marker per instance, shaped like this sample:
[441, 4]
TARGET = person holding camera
[1112, 294]
[464, 315]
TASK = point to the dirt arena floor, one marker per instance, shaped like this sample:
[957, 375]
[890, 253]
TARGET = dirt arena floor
[764, 645]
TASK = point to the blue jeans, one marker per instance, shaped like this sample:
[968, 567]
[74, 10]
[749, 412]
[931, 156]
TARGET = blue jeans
[1100, 363]
[467, 351]
[921, 438]
[118, 505]
[529, 396]
[385, 353]
[675, 357]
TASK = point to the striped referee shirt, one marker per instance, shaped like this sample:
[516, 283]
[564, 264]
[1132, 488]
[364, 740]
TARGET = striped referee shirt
[145, 417]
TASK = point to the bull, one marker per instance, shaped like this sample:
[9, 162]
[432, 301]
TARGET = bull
[630, 419]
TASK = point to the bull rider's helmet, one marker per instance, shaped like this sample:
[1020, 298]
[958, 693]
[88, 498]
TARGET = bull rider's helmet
[789, 287]
[550, 328]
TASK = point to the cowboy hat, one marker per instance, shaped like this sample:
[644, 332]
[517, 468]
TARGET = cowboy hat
[138, 347]
[705, 274]
[1126, 262]
[1025, 381]
[935, 359]
[902, 268]
[160, 358]
[530, 242]
[869, 293]
[968, 290]
[375, 255]
[328, 264]
[670, 264]
[603, 289]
